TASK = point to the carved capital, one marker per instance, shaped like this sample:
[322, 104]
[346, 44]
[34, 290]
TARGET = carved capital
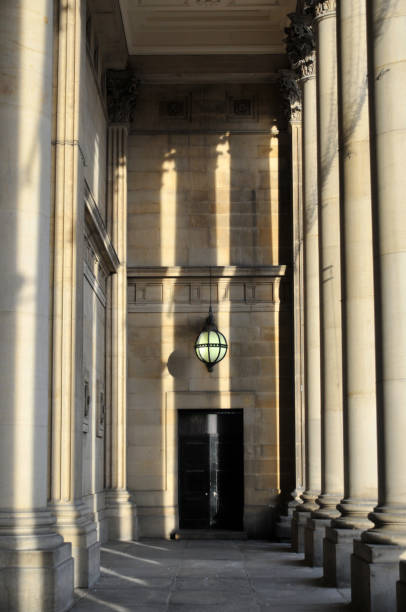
[322, 8]
[122, 90]
[291, 93]
[307, 67]
[300, 41]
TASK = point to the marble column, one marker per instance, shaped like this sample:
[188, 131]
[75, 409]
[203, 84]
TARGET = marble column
[360, 460]
[120, 511]
[330, 284]
[73, 518]
[375, 563]
[36, 567]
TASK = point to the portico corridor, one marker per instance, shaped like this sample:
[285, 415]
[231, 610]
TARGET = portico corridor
[207, 576]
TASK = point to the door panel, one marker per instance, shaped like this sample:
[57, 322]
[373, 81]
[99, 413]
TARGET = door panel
[211, 479]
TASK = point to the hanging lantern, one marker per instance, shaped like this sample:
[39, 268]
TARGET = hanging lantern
[211, 345]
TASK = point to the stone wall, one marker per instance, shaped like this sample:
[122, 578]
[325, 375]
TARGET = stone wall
[207, 206]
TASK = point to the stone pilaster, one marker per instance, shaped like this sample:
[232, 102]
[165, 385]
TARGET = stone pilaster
[375, 566]
[36, 567]
[330, 281]
[121, 511]
[360, 461]
[73, 519]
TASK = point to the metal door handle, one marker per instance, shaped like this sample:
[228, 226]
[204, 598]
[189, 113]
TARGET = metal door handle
[206, 494]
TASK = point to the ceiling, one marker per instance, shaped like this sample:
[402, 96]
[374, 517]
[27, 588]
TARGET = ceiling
[201, 27]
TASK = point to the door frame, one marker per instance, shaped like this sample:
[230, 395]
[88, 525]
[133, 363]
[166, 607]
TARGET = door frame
[207, 411]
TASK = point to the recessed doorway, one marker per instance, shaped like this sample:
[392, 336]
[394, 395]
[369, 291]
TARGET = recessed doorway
[211, 469]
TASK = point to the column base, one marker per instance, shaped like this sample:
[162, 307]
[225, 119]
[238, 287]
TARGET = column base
[36, 580]
[121, 514]
[96, 504]
[374, 572]
[338, 545]
[75, 525]
[299, 521]
[314, 535]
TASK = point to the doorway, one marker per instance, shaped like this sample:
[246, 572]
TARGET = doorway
[211, 469]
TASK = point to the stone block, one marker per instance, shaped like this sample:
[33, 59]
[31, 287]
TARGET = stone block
[314, 535]
[337, 551]
[299, 521]
[374, 574]
[36, 581]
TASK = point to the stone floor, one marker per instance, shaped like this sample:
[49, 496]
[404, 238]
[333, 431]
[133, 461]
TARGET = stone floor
[208, 576]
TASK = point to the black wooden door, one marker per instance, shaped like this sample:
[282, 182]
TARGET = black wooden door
[211, 476]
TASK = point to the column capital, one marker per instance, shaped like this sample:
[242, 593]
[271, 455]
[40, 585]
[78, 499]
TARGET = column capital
[291, 93]
[122, 90]
[300, 43]
[322, 8]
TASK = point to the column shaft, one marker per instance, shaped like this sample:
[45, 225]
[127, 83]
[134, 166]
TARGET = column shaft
[120, 511]
[358, 312]
[74, 521]
[388, 70]
[311, 294]
[36, 567]
[330, 262]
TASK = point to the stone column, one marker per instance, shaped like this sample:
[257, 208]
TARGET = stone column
[291, 93]
[300, 49]
[330, 283]
[121, 512]
[375, 566]
[312, 301]
[360, 461]
[73, 519]
[36, 567]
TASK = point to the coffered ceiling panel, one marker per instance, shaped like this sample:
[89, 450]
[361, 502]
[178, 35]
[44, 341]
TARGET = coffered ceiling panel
[205, 26]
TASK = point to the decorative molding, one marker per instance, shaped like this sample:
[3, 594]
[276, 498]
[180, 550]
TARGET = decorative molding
[193, 289]
[94, 270]
[292, 94]
[204, 271]
[121, 90]
[96, 229]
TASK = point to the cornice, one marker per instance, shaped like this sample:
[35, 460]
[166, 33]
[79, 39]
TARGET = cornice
[205, 271]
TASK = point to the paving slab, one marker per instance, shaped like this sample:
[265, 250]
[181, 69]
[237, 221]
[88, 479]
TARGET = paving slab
[207, 576]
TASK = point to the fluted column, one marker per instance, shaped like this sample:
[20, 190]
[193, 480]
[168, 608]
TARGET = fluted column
[360, 461]
[121, 511]
[73, 519]
[330, 282]
[36, 567]
[377, 557]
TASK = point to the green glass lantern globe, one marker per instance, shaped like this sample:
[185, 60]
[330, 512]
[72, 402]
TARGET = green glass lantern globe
[211, 345]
